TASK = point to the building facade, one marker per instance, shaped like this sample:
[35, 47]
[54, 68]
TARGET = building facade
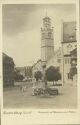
[62, 57]
[47, 45]
[8, 70]
[69, 43]
[26, 71]
[73, 70]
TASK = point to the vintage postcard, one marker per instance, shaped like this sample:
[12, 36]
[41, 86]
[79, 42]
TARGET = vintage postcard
[40, 66]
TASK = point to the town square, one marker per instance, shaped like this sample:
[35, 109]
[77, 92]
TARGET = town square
[39, 56]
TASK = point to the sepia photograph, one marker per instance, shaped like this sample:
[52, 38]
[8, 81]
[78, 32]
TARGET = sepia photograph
[39, 56]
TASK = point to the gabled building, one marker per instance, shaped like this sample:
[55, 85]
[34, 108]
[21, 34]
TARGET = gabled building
[37, 67]
[26, 71]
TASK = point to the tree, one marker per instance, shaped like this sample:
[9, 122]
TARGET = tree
[38, 75]
[53, 74]
[18, 76]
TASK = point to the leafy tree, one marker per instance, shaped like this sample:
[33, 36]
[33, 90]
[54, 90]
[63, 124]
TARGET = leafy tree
[53, 74]
[18, 76]
[38, 75]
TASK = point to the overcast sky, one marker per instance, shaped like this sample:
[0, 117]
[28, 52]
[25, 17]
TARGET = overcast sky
[21, 29]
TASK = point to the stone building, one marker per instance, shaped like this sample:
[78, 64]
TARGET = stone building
[62, 57]
[69, 43]
[47, 45]
[8, 70]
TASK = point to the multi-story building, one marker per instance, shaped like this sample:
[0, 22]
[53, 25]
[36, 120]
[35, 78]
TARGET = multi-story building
[8, 70]
[62, 57]
[68, 44]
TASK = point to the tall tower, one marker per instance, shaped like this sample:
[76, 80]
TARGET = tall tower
[47, 46]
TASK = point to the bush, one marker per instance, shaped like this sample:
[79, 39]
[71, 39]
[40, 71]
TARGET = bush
[18, 76]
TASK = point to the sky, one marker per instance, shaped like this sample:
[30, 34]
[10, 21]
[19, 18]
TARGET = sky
[22, 29]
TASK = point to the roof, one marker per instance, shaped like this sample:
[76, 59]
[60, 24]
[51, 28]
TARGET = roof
[37, 62]
[68, 41]
[74, 52]
[6, 56]
[8, 59]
